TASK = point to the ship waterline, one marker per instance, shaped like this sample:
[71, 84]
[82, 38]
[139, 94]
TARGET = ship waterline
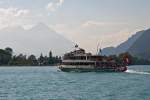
[83, 68]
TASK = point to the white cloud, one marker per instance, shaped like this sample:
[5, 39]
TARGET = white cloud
[17, 17]
[53, 5]
[13, 12]
[11, 16]
[91, 23]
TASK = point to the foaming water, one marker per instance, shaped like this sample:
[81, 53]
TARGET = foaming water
[136, 72]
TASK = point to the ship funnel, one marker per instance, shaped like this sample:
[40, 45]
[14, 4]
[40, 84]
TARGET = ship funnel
[76, 46]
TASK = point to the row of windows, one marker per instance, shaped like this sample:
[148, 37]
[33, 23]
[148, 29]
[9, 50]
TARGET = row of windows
[81, 58]
[78, 63]
[90, 63]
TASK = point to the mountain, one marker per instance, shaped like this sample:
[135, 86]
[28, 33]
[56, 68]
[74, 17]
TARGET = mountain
[108, 51]
[39, 39]
[123, 47]
[141, 46]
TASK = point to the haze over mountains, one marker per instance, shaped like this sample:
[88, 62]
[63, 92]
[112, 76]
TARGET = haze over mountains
[137, 45]
[39, 39]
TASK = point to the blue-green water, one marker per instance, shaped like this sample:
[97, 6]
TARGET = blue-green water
[47, 83]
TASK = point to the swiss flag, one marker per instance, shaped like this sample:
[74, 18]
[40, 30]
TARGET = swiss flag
[127, 60]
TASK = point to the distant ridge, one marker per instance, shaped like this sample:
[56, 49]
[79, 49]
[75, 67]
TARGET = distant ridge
[39, 39]
[141, 46]
[137, 45]
[123, 47]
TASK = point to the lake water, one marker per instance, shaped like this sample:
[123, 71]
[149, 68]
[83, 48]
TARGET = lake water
[47, 83]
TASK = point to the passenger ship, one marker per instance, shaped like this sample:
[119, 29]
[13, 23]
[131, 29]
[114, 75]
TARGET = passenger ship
[80, 61]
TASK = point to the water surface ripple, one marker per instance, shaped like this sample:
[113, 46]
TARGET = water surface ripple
[47, 83]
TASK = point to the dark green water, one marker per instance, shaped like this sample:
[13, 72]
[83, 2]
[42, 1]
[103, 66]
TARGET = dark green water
[47, 83]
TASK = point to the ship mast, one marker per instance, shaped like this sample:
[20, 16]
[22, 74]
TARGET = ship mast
[76, 46]
[99, 50]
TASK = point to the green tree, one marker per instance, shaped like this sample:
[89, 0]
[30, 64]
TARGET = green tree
[9, 50]
[41, 60]
[50, 58]
[5, 57]
[32, 61]
[50, 54]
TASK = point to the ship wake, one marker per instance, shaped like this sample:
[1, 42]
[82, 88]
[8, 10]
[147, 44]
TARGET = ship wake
[137, 72]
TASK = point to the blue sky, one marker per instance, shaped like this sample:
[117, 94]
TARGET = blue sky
[86, 22]
[81, 10]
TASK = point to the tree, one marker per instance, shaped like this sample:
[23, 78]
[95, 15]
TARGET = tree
[46, 61]
[5, 57]
[41, 60]
[9, 50]
[32, 61]
[50, 54]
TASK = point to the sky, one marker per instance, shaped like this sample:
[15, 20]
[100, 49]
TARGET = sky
[85, 22]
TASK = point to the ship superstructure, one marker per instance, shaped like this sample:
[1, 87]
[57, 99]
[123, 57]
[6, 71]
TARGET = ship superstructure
[79, 60]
